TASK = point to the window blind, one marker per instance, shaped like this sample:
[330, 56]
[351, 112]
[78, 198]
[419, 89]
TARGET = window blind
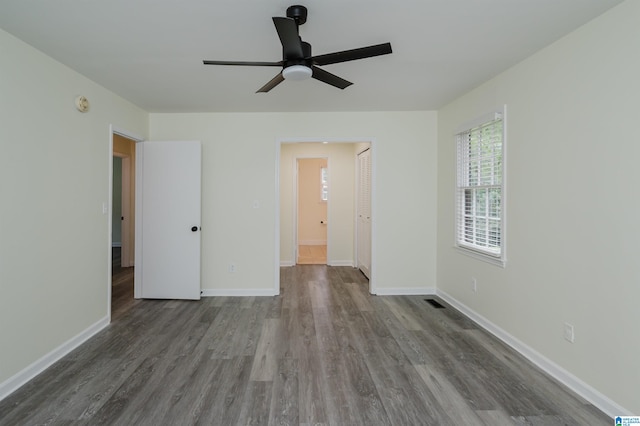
[479, 187]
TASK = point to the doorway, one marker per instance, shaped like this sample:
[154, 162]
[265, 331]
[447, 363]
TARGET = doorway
[342, 226]
[122, 232]
[313, 197]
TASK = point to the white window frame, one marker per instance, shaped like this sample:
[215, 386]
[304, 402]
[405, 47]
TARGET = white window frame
[470, 240]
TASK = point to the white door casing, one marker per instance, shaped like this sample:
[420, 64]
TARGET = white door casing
[168, 214]
[364, 212]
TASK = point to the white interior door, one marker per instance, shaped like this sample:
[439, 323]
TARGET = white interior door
[364, 212]
[168, 197]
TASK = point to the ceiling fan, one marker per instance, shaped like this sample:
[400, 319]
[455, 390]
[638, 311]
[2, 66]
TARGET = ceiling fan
[297, 62]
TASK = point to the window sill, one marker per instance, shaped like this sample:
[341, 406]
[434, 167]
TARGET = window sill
[498, 261]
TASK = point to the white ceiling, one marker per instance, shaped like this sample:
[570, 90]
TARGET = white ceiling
[150, 51]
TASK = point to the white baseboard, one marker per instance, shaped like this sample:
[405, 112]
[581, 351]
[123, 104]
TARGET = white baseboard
[13, 383]
[288, 263]
[312, 242]
[596, 398]
[216, 292]
[408, 291]
[340, 263]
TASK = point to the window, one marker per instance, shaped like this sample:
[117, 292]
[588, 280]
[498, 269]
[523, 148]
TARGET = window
[480, 189]
[324, 184]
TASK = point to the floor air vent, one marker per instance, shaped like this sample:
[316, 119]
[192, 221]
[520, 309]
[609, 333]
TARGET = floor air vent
[434, 303]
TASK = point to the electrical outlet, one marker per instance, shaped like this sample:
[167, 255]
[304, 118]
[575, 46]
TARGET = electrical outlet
[569, 335]
[232, 268]
[474, 285]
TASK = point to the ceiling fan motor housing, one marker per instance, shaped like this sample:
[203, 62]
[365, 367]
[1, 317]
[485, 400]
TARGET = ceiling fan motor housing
[297, 13]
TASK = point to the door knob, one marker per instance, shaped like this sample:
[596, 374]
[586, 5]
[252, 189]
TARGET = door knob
[194, 228]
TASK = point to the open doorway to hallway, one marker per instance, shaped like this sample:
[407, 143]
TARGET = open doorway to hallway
[122, 224]
[344, 245]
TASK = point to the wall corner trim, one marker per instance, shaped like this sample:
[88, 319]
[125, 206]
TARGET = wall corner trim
[16, 381]
[596, 398]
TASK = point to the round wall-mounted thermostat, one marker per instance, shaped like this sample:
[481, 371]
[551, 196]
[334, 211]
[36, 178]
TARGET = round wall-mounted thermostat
[82, 104]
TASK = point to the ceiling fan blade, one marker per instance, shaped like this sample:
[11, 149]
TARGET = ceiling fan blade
[288, 32]
[327, 77]
[246, 63]
[271, 84]
[353, 54]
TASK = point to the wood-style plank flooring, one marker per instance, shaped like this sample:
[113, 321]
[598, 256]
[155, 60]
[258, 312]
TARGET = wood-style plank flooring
[312, 255]
[323, 352]
[121, 286]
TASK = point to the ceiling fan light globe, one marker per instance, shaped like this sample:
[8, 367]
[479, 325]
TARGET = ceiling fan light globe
[297, 72]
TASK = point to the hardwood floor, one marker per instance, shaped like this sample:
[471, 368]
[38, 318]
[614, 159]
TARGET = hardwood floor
[312, 255]
[323, 352]
[121, 286]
